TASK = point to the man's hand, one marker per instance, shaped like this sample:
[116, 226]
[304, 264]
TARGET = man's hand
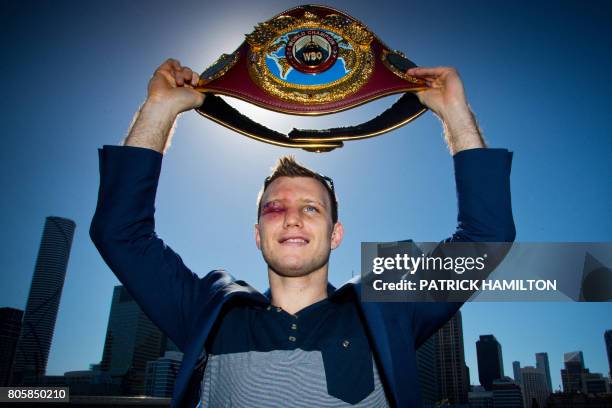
[172, 85]
[445, 92]
[170, 92]
[446, 98]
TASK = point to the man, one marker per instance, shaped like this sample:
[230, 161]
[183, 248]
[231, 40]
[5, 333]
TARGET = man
[303, 343]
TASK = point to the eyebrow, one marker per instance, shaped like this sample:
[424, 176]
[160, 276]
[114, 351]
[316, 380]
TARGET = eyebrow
[305, 200]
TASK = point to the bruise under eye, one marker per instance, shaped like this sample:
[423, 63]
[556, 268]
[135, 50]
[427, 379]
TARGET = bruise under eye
[271, 208]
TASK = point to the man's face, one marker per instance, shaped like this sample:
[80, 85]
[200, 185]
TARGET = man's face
[295, 231]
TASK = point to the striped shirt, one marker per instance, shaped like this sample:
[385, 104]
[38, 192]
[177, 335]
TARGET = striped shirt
[265, 357]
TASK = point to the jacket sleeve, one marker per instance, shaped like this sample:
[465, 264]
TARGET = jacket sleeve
[123, 230]
[482, 178]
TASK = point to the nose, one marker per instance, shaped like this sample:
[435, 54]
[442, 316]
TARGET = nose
[293, 217]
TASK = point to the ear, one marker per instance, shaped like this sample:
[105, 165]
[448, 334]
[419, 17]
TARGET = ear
[337, 234]
[257, 237]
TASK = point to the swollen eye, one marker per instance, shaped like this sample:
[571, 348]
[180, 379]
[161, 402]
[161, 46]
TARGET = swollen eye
[270, 208]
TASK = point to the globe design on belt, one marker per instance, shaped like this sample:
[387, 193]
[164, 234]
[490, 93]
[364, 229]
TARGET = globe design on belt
[294, 58]
[310, 60]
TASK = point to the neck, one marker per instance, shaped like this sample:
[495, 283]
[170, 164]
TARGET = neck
[292, 294]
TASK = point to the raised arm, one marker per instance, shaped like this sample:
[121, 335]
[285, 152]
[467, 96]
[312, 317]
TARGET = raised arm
[482, 178]
[482, 175]
[123, 226]
[446, 98]
[170, 92]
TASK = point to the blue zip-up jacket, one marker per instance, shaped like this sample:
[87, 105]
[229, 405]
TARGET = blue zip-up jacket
[185, 306]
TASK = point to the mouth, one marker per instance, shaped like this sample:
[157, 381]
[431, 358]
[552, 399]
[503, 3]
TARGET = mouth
[294, 241]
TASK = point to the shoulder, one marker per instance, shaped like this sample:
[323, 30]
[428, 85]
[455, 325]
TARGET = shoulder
[218, 278]
[222, 283]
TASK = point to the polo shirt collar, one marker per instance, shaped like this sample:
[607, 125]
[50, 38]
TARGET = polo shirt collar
[332, 292]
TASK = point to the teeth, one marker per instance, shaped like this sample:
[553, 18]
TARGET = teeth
[296, 240]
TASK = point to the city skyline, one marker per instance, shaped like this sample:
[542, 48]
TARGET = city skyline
[119, 292]
[529, 70]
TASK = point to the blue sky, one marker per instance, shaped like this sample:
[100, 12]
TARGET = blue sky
[536, 74]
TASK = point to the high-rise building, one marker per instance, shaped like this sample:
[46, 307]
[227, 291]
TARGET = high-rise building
[608, 340]
[571, 375]
[578, 400]
[453, 382]
[43, 301]
[481, 399]
[427, 371]
[507, 393]
[132, 340]
[490, 361]
[535, 388]
[10, 327]
[516, 371]
[79, 382]
[161, 374]
[595, 383]
[542, 364]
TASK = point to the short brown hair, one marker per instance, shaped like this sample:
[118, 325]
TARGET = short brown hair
[287, 166]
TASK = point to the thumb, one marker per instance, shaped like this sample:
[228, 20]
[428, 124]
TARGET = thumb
[186, 99]
[198, 98]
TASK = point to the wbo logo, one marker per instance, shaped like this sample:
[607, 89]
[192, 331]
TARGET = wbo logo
[311, 51]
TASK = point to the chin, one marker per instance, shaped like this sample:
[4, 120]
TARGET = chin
[294, 268]
[290, 273]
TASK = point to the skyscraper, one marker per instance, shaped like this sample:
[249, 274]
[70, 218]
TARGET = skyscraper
[43, 301]
[490, 361]
[571, 375]
[534, 387]
[516, 370]
[10, 327]
[507, 393]
[480, 399]
[132, 340]
[161, 374]
[594, 383]
[453, 383]
[608, 340]
[427, 371]
[542, 364]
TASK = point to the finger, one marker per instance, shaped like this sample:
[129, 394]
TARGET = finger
[178, 78]
[187, 73]
[195, 78]
[171, 64]
[429, 71]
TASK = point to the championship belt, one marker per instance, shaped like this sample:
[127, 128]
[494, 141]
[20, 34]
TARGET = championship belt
[311, 60]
